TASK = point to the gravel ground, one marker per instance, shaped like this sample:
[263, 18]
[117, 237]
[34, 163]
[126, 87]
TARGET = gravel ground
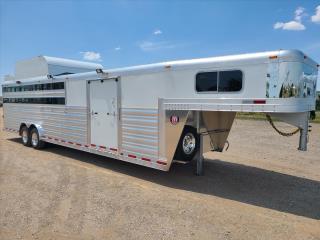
[261, 188]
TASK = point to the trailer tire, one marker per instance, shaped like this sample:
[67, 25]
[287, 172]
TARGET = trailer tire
[35, 139]
[188, 144]
[25, 136]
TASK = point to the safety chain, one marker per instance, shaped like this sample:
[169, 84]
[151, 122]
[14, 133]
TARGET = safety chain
[280, 132]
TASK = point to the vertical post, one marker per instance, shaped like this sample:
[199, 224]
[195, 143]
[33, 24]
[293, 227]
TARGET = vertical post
[304, 134]
[199, 170]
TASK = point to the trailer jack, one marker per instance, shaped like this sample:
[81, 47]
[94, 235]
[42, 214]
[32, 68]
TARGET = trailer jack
[199, 157]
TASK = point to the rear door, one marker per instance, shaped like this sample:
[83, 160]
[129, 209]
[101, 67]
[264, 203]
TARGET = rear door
[104, 113]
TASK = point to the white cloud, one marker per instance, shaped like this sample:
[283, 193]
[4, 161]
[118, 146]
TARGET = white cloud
[117, 48]
[153, 46]
[157, 32]
[91, 56]
[316, 18]
[294, 25]
[299, 13]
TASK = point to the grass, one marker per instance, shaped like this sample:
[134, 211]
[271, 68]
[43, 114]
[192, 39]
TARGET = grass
[262, 116]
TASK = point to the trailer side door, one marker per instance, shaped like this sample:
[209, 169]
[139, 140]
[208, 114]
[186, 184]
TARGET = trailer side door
[104, 113]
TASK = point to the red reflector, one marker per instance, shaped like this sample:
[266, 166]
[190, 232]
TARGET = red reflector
[78, 144]
[93, 145]
[86, 145]
[146, 159]
[103, 147]
[132, 156]
[161, 162]
[259, 101]
[113, 149]
[70, 142]
[63, 140]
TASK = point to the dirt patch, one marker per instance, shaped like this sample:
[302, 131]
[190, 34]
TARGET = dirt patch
[261, 188]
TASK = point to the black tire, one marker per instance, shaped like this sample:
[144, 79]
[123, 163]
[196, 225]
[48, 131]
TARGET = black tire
[181, 153]
[25, 136]
[35, 139]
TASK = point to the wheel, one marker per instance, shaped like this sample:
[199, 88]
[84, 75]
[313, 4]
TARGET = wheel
[35, 139]
[25, 136]
[188, 144]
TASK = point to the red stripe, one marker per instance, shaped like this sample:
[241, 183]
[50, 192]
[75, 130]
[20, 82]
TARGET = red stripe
[259, 101]
[161, 162]
[132, 156]
[146, 159]
[113, 149]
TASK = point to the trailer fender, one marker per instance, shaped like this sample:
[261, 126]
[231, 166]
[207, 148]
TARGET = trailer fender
[39, 128]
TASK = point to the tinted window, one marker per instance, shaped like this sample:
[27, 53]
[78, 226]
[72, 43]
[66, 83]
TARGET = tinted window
[35, 87]
[206, 82]
[230, 81]
[35, 100]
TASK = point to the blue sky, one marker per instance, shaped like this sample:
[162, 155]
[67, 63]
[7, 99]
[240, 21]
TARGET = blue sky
[124, 33]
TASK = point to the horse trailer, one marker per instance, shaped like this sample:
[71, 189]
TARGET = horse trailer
[153, 114]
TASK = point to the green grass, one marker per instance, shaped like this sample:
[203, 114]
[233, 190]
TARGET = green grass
[262, 116]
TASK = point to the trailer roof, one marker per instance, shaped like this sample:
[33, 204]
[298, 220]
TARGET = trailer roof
[249, 58]
[241, 59]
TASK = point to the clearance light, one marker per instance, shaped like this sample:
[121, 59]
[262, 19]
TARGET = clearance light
[273, 57]
[256, 101]
[259, 101]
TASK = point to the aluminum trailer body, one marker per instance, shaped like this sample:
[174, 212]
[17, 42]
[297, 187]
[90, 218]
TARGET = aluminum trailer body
[140, 114]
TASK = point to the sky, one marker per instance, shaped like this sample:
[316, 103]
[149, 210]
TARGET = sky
[125, 33]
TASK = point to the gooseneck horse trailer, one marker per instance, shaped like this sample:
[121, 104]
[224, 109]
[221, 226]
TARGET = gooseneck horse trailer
[153, 114]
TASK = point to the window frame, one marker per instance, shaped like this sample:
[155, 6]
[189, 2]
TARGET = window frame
[36, 100]
[218, 80]
[195, 82]
[36, 87]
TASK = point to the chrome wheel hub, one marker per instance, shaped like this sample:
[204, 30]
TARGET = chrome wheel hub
[188, 143]
[34, 139]
[25, 136]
